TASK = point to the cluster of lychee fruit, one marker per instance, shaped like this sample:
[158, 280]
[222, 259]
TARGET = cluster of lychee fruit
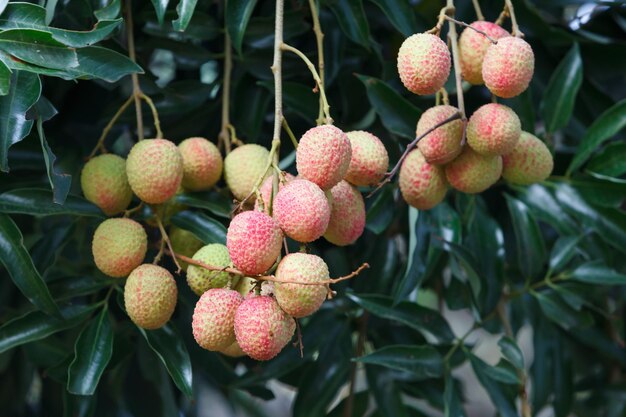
[469, 156]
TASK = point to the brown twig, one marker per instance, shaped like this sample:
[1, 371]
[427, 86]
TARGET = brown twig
[108, 127]
[135, 78]
[458, 22]
[129, 212]
[511, 12]
[299, 342]
[319, 37]
[165, 238]
[224, 135]
[477, 9]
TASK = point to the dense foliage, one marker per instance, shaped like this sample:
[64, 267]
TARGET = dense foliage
[549, 257]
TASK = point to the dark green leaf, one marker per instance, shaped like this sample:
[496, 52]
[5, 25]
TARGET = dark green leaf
[205, 228]
[469, 269]
[560, 95]
[110, 11]
[560, 313]
[511, 351]
[170, 348]
[415, 268]
[384, 388]
[92, 352]
[185, 11]
[78, 405]
[452, 401]
[38, 202]
[563, 251]
[160, 6]
[529, 242]
[216, 203]
[5, 78]
[400, 14]
[546, 208]
[38, 47]
[596, 272]
[422, 361]
[106, 64]
[238, 14]
[380, 210]
[359, 404]
[59, 182]
[497, 393]
[610, 161]
[24, 91]
[20, 266]
[352, 20]
[397, 114]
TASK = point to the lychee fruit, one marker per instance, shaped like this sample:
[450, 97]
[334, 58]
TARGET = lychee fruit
[202, 164]
[300, 300]
[104, 183]
[234, 351]
[424, 63]
[201, 279]
[184, 243]
[243, 167]
[530, 161]
[155, 170]
[254, 241]
[473, 47]
[369, 160]
[508, 67]
[323, 156]
[422, 185]
[262, 328]
[150, 296]
[119, 245]
[266, 190]
[472, 172]
[214, 318]
[245, 285]
[302, 211]
[347, 216]
[493, 129]
[443, 144]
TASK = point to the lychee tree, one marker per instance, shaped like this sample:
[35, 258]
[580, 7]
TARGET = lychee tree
[349, 207]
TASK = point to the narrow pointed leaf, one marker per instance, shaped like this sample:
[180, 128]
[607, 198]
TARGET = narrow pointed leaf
[38, 202]
[205, 228]
[160, 6]
[597, 273]
[38, 47]
[422, 361]
[528, 239]
[511, 351]
[185, 11]
[5, 78]
[238, 14]
[352, 20]
[59, 182]
[400, 14]
[501, 399]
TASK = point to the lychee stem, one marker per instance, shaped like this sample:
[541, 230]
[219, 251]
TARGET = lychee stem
[165, 238]
[458, 22]
[452, 36]
[319, 37]
[155, 114]
[107, 128]
[268, 165]
[224, 135]
[134, 76]
[477, 9]
[511, 12]
[294, 141]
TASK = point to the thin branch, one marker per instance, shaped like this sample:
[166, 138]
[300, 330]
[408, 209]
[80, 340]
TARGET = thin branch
[129, 212]
[515, 28]
[319, 37]
[452, 36]
[107, 128]
[134, 76]
[155, 114]
[477, 9]
[165, 238]
[503, 15]
[458, 22]
[224, 136]
[294, 141]
[259, 181]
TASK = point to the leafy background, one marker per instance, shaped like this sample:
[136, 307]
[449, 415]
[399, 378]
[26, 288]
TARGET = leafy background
[535, 274]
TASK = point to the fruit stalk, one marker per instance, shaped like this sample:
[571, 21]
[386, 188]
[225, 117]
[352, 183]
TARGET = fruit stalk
[165, 238]
[319, 37]
[452, 36]
[134, 76]
[458, 22]
[277, 69]
[224, 135]
[155, 114]
[511, 12]
[477, 9]
[107, 128]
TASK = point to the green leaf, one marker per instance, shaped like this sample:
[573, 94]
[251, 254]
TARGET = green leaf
[469, 267]
[38, 47]
[545, 207]
[20, 267]
[610, 161]
[380, 210]
[238, 14]
[37, 325]
[106, 64]
[5, 78]
[529, 242]
[24, 91]
[560, 313]
[511, 351]
[160, 6]
[352, 20]
[397, 114]
[31, 16]
[422, 361]
[560, 94]
[563, 251]
[59, 182]
[110, 11]
[595, 272]
[185, 11]
[38, 202]
[92, 352]
[604, 127]
[400, 14]
[502, 400]
[205, 228]
[170, 348]
[452, 401]
[408, 313]
[386, 392]
[216, 203]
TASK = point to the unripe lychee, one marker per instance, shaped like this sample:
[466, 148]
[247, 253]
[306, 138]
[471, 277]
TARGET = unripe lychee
[202, 164]
[508, 67]
[473, 47]
[299, 300]
[184, 243]
[201, 279]
[266, 190]
[302, 211]
[424, 63]
[347, 216]
[243, 167]
[254, 241]
[104, 183]
[472, 172]
[119, 245]
[150, 296]
[493, 129]
[369, 160]
[245, 285]
[155, 170]
[234, 351]
[323, 156]
[530, 161]
[262, 328]
[214, 318]
[422, 185]
[443, 144]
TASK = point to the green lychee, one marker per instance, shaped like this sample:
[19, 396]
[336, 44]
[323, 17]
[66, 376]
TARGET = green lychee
[119, 245]
[104, 183]
[214, 318]
[184, 243]
[530, 161]
[243, 167]
[201, 279]
[369, 161]
[299, 300]
[150, 296]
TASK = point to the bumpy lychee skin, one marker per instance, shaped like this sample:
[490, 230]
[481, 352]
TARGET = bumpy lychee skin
[150, 296]
[262, 328]
[530, 161]
[202, 164]
[443, 144]
[347, 216]
[422, 185]
[299, 300]
[493, 129]
[214, 318]
[201, 279]
[472, 172]
[323, 155]
[266, 190]
[184, 243]
[119, 246]
[302, 211]
[104, 183]
[243, 167]
[424, 63]
[155, 170]
[254, 242]
[508, 67]
[234, 351]
[369, 160]
[473, 47]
